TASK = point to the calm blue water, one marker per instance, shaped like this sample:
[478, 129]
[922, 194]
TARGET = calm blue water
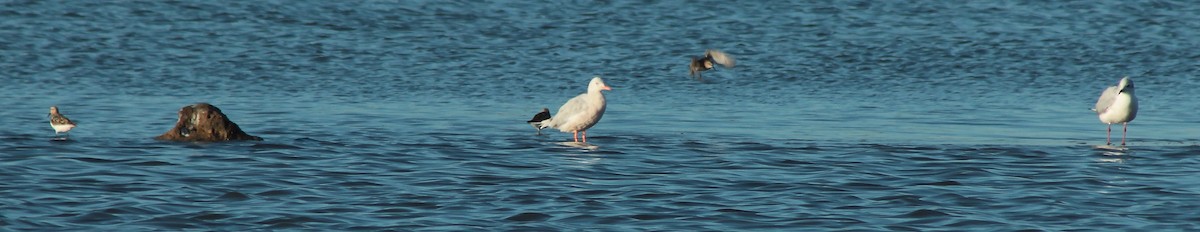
[844, 115]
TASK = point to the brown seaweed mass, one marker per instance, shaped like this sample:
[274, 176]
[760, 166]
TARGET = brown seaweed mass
[204, 123]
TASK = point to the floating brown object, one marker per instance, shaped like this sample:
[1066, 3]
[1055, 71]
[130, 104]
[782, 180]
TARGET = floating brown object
[204, 123]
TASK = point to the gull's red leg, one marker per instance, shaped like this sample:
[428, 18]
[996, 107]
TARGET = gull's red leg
[1108, 136]
[1124, 129]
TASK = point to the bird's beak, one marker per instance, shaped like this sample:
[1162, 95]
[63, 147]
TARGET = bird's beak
[606, 87]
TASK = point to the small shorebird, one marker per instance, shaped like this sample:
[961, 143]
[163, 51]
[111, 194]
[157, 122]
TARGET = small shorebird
[60, 123]
[579, 113]
[701, 64]
[1117, 105]
[545, 114]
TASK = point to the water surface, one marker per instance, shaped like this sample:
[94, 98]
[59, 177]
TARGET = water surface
[844, 115]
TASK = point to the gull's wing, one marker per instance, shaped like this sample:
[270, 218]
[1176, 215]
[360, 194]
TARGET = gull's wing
[721, 58]
[1106, 99]
[576, 105]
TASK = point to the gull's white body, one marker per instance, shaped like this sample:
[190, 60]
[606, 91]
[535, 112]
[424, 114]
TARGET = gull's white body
[1117, 104]
[581, 112]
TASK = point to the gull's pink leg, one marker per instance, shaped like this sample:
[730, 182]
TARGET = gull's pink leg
[1108, 136]
[584, 136]
[1124, 130]
[576, 136]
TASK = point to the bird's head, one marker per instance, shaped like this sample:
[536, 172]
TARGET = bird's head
[598, 84]
[1126, 85]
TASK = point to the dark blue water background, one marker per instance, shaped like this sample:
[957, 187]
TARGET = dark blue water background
[859, 115]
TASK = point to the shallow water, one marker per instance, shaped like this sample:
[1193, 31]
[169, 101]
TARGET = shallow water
[846, 115]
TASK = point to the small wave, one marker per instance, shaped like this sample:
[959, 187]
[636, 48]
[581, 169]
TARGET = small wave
[529, 216]
[924, 213]
[233, 196]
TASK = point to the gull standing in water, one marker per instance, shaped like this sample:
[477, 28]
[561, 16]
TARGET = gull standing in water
[60, 123]
[1117, 105]
[701, 64]
[579, 113]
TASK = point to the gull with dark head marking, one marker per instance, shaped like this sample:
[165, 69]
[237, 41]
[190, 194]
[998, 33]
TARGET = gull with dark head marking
[60, 123]
[579, 113]
[1117, 105]
[701, 64]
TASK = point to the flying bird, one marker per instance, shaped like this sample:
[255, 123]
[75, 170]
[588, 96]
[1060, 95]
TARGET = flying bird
[701, 64]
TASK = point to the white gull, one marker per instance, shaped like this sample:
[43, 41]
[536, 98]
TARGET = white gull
[1117, 105]
[581, 112]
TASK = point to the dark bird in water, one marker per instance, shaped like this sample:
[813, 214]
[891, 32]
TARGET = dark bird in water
[701, 64]
[537, 119]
